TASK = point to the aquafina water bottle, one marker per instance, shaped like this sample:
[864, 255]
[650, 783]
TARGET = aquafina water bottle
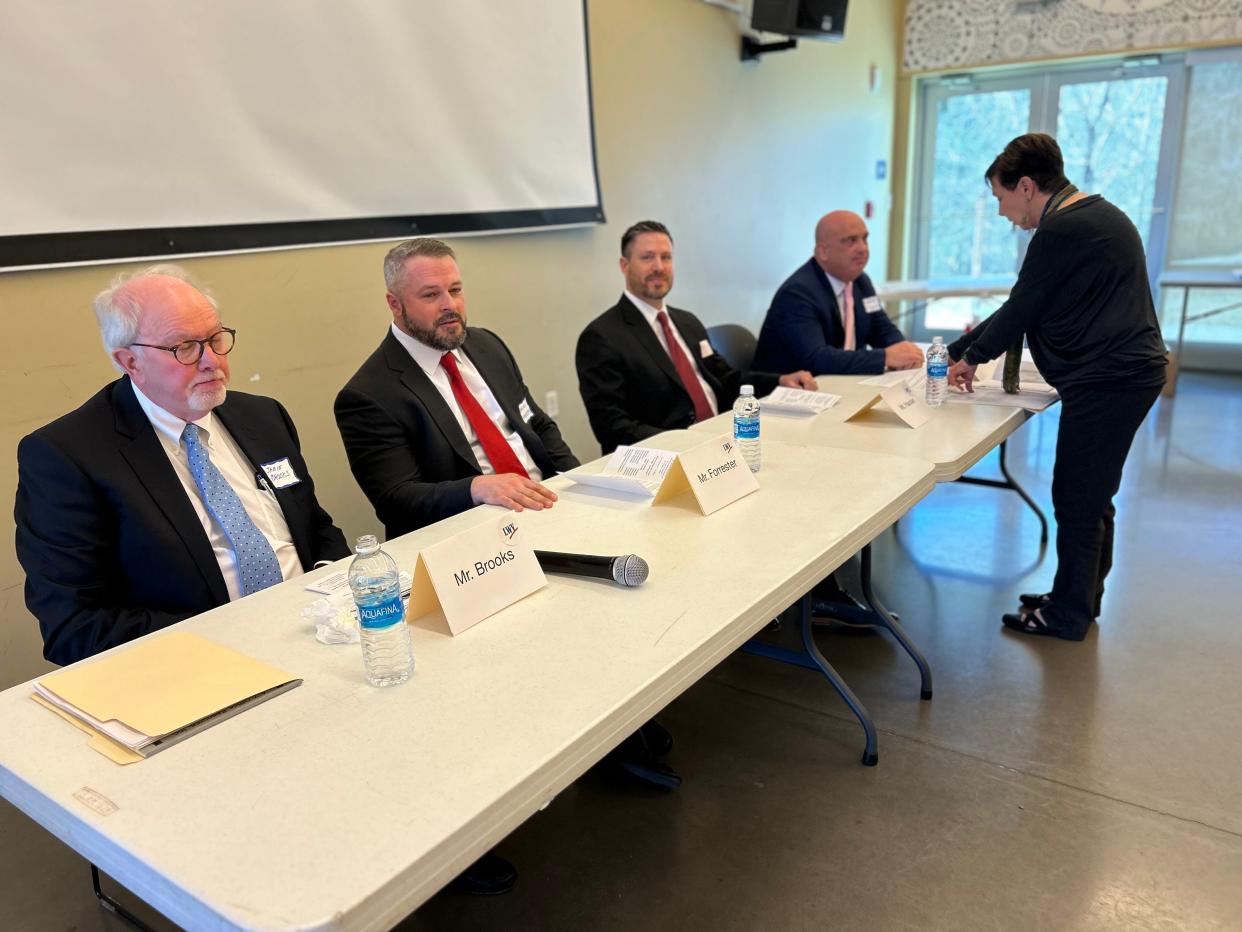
[746, 426]
[386, 653]
[937, 372]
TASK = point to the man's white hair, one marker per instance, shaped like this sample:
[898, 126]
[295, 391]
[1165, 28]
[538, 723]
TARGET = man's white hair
[119, 311]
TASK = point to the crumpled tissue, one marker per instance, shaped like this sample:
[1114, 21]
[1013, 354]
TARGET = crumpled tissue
[335, 615]
[334, 623]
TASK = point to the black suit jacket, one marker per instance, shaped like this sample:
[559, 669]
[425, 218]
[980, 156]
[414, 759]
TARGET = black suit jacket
[803, 328]
[628, 382]
[404, 445]
[110, 543]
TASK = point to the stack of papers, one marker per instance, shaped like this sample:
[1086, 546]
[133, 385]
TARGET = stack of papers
[989, 392]
[141, 699]
[1034, 393]
[797, 401]
[634, 470]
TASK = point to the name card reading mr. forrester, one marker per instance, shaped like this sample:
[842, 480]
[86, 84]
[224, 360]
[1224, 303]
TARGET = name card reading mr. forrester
[460, 581]
[714, 471]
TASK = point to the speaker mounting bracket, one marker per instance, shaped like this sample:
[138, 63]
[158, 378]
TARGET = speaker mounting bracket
[752, 49]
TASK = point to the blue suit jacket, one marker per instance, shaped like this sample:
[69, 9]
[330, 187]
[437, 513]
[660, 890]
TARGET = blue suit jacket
[803, 329]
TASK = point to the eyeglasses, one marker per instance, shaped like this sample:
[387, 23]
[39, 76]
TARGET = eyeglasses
[188, 352]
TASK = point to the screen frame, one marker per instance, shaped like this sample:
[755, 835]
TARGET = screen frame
[48, 250]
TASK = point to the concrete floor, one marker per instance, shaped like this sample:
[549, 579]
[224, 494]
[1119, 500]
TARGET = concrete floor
[1049, 785]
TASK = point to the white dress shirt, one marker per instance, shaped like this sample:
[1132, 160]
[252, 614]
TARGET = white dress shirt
[260, 504]
[693, 355]
[428, 360]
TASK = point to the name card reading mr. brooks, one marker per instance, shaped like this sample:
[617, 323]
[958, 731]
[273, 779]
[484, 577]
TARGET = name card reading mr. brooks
[714, 471]
[472, 575]
[904, 400]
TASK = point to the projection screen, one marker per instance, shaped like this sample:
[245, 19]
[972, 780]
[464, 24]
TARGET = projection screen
[146, 128]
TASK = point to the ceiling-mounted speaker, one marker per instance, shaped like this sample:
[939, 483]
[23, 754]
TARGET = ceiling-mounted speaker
[811, 19]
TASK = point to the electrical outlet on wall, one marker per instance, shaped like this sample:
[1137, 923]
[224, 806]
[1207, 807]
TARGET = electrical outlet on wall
[551, 404]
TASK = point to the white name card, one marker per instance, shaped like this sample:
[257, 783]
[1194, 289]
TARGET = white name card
[714, 471]
[473, 575]
[905, 402]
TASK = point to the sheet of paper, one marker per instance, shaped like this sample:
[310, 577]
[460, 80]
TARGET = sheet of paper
[985, 394]
[633, 470]
[335, 588]
[1027, 371]
[911, 377]
[330, 584]
[1029, 386]
[640, 463]
[100, 742]
[798, 401]
[113, 730]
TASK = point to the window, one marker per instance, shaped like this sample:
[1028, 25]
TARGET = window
[1114, 127]
[1204, 242]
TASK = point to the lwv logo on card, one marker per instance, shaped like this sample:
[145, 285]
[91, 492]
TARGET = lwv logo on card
[509, 530]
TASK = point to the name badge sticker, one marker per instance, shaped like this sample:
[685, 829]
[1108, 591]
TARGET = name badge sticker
[524, 411]
[705, 349]
[280, 473]
[872, 304]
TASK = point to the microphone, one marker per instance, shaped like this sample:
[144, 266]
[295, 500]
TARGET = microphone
[629, 570]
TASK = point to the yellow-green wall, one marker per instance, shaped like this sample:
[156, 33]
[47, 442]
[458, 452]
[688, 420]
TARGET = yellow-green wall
[739, 160]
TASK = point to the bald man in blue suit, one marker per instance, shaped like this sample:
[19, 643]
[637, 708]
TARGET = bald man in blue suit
[806, 327]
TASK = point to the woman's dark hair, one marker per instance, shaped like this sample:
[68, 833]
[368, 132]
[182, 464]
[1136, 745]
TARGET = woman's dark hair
[1036, 156]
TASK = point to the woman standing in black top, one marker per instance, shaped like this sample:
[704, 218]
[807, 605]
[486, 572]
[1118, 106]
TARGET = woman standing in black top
[1084, 304]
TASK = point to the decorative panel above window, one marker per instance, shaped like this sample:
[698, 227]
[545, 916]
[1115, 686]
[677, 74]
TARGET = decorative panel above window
[948, 35]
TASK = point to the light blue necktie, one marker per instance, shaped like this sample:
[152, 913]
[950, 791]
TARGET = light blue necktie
[256, 561]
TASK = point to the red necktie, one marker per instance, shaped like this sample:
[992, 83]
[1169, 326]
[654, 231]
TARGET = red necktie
[495, 446]
[847, 315]
[685, 370]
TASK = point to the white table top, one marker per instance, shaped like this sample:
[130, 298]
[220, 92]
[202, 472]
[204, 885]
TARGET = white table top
[956, 437]
[1205, 278]
[930, 289]
[341, 806]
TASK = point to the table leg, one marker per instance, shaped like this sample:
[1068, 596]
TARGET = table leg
[114, 907]
[1181, 336]
[1010, 483]
[811, 659]
[885, 619]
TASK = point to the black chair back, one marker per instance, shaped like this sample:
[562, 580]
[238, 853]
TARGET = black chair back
[735, 343]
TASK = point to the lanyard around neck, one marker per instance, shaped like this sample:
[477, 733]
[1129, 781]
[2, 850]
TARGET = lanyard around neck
[1055, 202]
